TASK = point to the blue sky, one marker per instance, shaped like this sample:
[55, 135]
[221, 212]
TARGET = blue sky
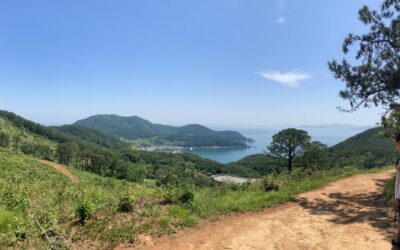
[215, 62]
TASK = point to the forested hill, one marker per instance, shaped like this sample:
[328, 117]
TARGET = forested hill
[369, 148]
[93, 136]
[134, 127]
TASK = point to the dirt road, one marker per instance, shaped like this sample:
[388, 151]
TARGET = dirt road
[346, 214]
[61, 169]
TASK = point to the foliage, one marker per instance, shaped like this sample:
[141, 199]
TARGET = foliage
[316, 156]
[388, 191]
[187, 197]
[88, 150]
[4, 139]
[367, 149]
[126, 204]
[254, 166]
[289, 144]
[84, 211]
[33, 194]
[269, 183]
[375, 80]
[96, 201]
[93, 136]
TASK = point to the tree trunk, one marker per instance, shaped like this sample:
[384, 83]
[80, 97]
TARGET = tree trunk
[290, 164]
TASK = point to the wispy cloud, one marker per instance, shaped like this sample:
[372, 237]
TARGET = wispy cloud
[291, 79]
[281, 20]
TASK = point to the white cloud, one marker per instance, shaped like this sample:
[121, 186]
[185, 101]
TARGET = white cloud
[291, 79]
[281, 20]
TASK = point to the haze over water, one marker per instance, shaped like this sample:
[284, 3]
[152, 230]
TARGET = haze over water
[327, 134]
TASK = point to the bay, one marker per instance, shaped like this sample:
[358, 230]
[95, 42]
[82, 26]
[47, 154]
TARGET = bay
[327, 134]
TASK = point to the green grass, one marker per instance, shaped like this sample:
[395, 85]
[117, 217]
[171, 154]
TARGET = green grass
[32, 193]
[211, 202]
[388, 191]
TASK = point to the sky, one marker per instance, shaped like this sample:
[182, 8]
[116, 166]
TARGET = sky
[249, 63]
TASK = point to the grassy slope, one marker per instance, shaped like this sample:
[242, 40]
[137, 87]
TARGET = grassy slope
[30, 192]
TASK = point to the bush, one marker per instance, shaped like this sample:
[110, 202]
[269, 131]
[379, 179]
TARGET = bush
[186, 198]
[126, 204]
[84, 211]
[4, 139]
[269, 184]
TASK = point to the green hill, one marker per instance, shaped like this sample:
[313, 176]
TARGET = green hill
[134, 127]
[367, 149]
[91, 151]
[255, 165]
[93, 136]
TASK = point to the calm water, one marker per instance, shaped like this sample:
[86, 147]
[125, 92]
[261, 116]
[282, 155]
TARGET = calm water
[329, 134]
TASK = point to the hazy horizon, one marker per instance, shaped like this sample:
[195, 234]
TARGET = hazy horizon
[235, 126]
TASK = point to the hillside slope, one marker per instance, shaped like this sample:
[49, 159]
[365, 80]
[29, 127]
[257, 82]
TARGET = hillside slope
[92, 151]
[368, 149]
[134, 127]
[93, 136]
[39, 206]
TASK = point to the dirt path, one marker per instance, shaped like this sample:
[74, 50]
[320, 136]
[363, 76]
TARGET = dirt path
[61, 169]
[346, 214]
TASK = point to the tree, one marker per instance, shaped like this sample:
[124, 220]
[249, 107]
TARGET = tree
[66, 152]
[375, 80]
[133, 172]
[289, 144]
[315, 155]
[4, 139]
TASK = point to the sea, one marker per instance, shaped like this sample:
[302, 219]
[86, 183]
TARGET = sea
[327, 134]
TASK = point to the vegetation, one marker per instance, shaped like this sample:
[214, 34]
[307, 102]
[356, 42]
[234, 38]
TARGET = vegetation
[93, 136]
[388, 191]
[134, 128]
[41, 208]
[375, 80]
[289, 144]
[255, 166]
[87, 150]
[367, 149]
[144, 192]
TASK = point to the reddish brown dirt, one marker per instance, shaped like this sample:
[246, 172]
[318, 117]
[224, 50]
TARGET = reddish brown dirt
[61, 169]
[346, 214]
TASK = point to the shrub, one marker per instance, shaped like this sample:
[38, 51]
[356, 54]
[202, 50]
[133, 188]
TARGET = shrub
[4, 139]
[126, 204]
[269, 184]
[186, 198]
[84, 211]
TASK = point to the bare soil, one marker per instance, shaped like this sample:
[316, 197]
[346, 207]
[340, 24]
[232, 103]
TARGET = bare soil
[346, 214]
[61, 169]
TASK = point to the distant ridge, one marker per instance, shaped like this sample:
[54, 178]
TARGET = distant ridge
[135, 127]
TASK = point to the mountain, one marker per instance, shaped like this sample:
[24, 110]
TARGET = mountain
[93, 136]
[369, 148]
[133, 128]
[92, 151]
